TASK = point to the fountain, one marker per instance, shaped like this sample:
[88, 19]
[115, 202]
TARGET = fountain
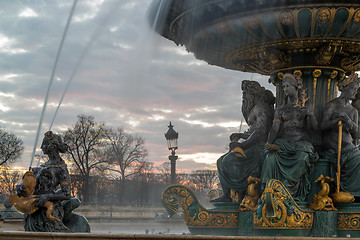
[317, 41]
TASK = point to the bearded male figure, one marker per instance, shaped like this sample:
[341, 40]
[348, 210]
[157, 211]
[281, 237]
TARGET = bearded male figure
[234, 168]
[337, 112]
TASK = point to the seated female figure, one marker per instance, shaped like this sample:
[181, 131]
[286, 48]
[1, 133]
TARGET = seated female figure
[289, 155]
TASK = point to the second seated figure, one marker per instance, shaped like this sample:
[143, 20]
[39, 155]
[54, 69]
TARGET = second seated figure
[235, 168]
[289, 153]
[340, 109]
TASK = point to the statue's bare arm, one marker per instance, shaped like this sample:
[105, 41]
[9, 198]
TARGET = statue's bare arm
[257, 136]
[328, 122]
[274, 131]
[352, 124]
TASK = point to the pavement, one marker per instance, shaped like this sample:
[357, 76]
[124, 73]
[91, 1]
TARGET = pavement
[154, 227]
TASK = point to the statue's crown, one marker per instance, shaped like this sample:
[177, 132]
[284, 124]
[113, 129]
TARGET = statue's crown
[352, 78]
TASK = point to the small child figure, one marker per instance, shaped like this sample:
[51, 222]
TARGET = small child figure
[26, 202]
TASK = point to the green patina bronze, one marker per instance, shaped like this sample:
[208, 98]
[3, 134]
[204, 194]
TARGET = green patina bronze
[222, 221]
[316, 41]
[293, 164]
[234, 171]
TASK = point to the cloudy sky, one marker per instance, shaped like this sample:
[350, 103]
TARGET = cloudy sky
[129, 77]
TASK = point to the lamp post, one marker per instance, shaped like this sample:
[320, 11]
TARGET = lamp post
[172, 137]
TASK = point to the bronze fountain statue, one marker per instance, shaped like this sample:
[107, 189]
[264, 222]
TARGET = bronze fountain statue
[45, 194]
[307, 153]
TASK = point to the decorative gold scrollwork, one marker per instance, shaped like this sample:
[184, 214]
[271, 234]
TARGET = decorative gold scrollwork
[351, 64]
[327, 53]
[348, 221]
[263, 60]
[357, 16]
[281, 75]
[278, 210]
[298, 73]
[195, 214]
[333, 74]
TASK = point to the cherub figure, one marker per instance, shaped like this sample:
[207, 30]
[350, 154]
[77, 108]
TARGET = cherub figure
[27, 202]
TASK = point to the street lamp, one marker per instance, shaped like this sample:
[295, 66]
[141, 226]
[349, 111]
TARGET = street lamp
[172, 137]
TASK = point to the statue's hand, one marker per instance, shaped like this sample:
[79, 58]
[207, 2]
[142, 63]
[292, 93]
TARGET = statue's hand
[306, 111]
[233, 145]
[234, 137]
[271, 147]
[20, 190]
[343, 116]
[346, 120]
[41, 200]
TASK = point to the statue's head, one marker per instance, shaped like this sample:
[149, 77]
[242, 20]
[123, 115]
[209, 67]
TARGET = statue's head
[254, 93]
[292, 86]
[294, 80]
[350, 85]
[49, 135]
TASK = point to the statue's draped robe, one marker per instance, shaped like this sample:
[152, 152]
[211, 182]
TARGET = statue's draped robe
[292, 164]
[233, 171]
[350, 168]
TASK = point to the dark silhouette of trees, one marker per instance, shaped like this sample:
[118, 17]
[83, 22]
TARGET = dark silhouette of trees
[144, 188]
[126, 153]
[127, 156]
[111, 165]
[164, 172]
[11, 147]
[203, 179]
[86, 141]
[9, 178]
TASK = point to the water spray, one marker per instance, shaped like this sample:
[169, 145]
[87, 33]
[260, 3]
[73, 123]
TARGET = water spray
[52, 80]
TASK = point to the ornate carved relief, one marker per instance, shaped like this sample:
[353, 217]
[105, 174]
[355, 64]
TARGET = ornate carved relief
[323, 15]
[351, 64]
[286, 18]
[327, 53]
[263, 60]
[278, 210]
[194, 213]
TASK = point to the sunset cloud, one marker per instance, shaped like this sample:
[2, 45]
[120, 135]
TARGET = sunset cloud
[130, 77]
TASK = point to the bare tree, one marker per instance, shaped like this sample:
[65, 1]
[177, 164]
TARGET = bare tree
[126, 153]
[203, 179]
[164, 171]
[86, 141]
[9, 178]
[11, 147]
[145, 173]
